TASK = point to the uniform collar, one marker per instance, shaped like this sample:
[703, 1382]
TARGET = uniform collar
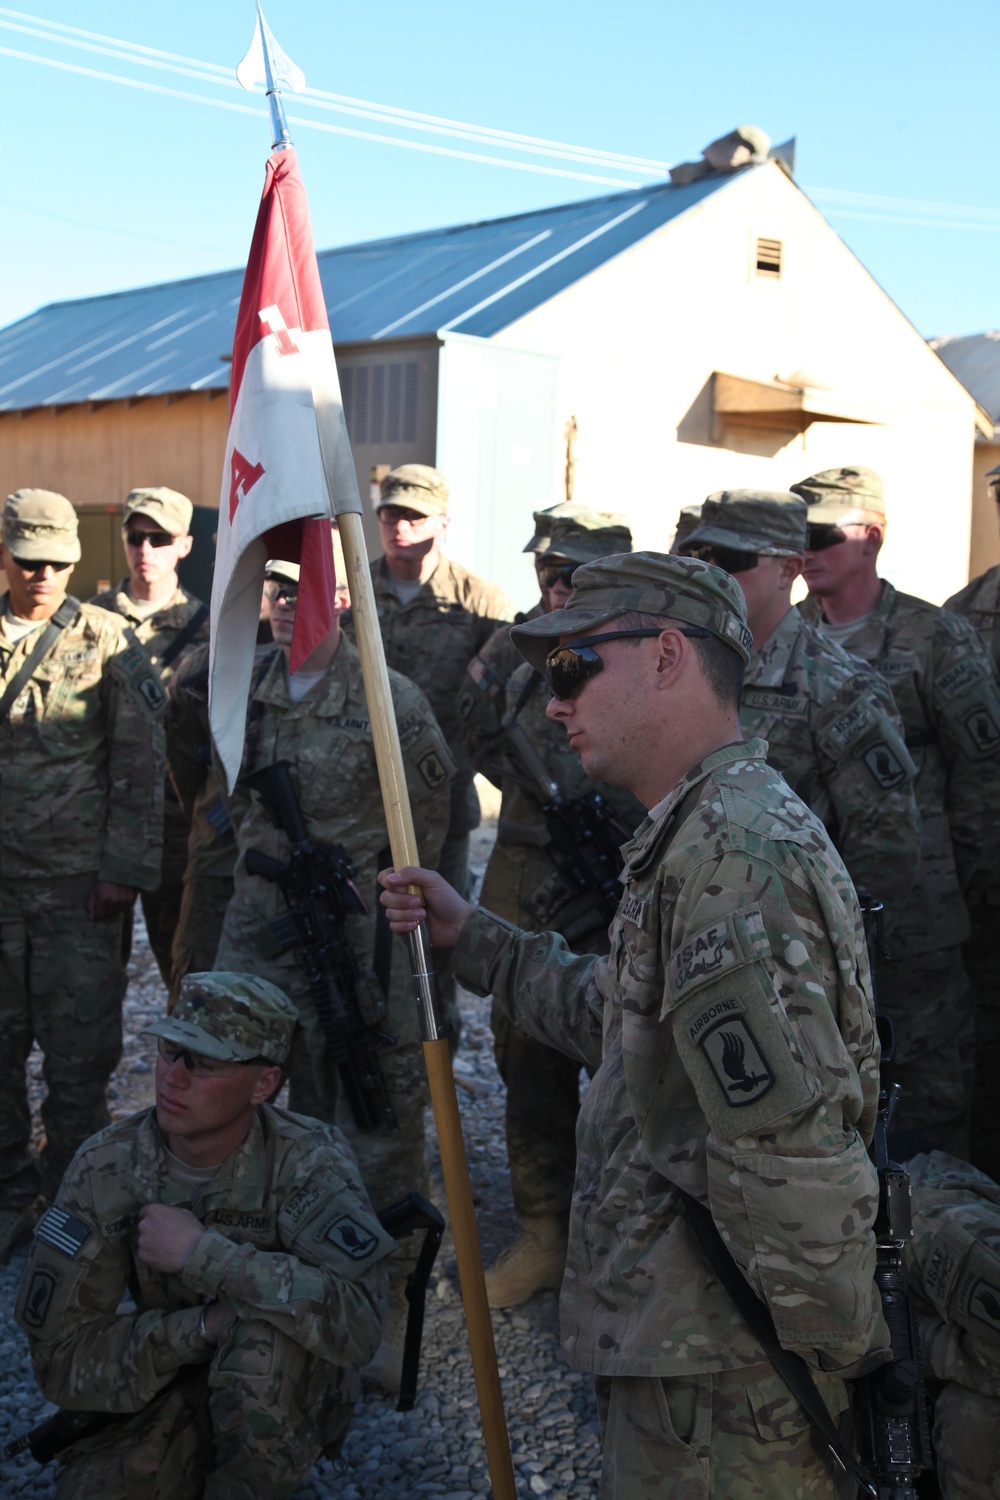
[236, 1184]
[660, 820]
[180, 600]
[769, 664]
[385, 581]
[328, 696]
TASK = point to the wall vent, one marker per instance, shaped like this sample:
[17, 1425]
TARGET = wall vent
[380, 402]
[768, 258]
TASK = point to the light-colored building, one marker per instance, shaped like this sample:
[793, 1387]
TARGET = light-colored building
[703, 336]
[975, 360]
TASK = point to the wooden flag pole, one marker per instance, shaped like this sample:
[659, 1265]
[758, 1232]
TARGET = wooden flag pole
[437, 1055]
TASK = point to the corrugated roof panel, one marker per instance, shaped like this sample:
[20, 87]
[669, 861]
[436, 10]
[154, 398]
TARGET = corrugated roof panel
[975, 361]
[475, 279]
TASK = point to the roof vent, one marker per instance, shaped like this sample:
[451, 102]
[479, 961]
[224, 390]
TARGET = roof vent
[768, 258]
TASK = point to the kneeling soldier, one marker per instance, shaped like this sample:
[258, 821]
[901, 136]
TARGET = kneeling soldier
[250, 1255]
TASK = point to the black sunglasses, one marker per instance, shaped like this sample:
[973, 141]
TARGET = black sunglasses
[39, 567]
[276, 590]
[729, 559]
[822, 534]
[568, 667]
[154, 538]
[549, 574]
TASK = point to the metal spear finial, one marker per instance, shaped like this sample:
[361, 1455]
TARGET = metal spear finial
[268, 66]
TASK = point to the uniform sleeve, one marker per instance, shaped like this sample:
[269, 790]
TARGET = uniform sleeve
[550, 992]
[868, 776]
[429, 769]
[482, 700]
[326, 1289]
[86, 1355]
[188, 737]
[965, 711]
[135, 702]
[771, 1022]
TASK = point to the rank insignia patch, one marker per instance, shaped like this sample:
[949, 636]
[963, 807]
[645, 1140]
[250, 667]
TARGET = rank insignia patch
[738, 1065]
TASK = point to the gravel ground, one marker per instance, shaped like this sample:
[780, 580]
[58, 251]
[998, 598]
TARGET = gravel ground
[437, 1449]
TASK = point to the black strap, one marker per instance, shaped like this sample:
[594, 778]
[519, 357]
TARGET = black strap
[183, 637]
[64, 615]
[757, 1315]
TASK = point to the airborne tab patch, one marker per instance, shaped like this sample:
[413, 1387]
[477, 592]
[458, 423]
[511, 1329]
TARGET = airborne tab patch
[884, 765]
[982, 729]
[984, 1304]
[39, 1298]
[63, 1231]
[432, 770]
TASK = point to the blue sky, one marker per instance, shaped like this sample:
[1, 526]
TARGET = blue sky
[104, 186]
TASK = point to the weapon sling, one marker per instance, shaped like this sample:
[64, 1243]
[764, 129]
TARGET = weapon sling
[182, 637]
[64, 615]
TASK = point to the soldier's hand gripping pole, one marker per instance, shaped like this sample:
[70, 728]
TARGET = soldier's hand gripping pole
[432, 1024]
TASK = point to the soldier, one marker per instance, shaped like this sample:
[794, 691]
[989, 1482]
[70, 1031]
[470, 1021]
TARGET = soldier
[249, 1255]
[687, 520]
[81, 819]
[435, 615]
[831, 725]
[525, 884]
[169, 621]
[317, 720]
[735, 1045]
[979, 601]
[953, 1261]
[943, 684]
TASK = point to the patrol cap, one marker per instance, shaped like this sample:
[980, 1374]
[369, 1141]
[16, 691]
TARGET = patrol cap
[41, 526]
[275, 568]
[771, 522]
[415, 487]
[231, 1017]
[653, 583]
[168, 508]
[580, 535]
[688, 519]
[831, 492]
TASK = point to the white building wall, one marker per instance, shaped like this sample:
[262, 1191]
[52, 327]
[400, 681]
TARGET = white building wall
[639, 338]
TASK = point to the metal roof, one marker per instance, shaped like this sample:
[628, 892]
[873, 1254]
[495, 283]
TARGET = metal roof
[474, 278]
[975, 361]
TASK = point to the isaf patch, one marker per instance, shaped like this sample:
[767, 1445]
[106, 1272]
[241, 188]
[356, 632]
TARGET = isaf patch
[850, 726]
[958, 679]
[62, 1231]
[301, 1202]
[410, 729]
[731, 1050]
[432, 770]
[350, 1237]
[885, 765]
[39, 1298]
[732, 941]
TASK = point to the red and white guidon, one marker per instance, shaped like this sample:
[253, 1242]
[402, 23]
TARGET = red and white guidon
[288, 467]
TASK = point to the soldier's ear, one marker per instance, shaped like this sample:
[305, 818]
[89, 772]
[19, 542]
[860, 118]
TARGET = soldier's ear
[267, 1085]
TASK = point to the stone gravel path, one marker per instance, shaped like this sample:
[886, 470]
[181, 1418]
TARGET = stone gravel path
[437, 1449]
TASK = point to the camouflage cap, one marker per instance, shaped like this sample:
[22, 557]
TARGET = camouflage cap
[231, 1017]
[168, 508]
[771, 522]
[275, 568]
[687, 520]
[41, 526]
[578, 534]
[832, 492]
[415, 487]
[653, 583]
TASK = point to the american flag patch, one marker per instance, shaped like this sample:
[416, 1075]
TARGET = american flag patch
[57, 1227]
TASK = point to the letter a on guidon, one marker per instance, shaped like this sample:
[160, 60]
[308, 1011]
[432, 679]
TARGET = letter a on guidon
[288, 468]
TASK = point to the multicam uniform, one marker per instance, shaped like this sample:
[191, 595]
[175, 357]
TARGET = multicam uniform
[953, 1262]
[156, 632]
[211, 850]
[522, 886]
[979, 602]
[291, 1245]
[834, 733]
[738, 1060]
[943, 684]
[81, 801]
[327, 738]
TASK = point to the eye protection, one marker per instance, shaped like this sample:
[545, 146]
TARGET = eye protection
[729, 559]
[549, 574]
[821, 535]
[202, 1067]
[568, 667]
[275, 590]
[154, 538]
[39, 567]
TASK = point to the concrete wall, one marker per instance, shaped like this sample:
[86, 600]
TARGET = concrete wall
[639, 339]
